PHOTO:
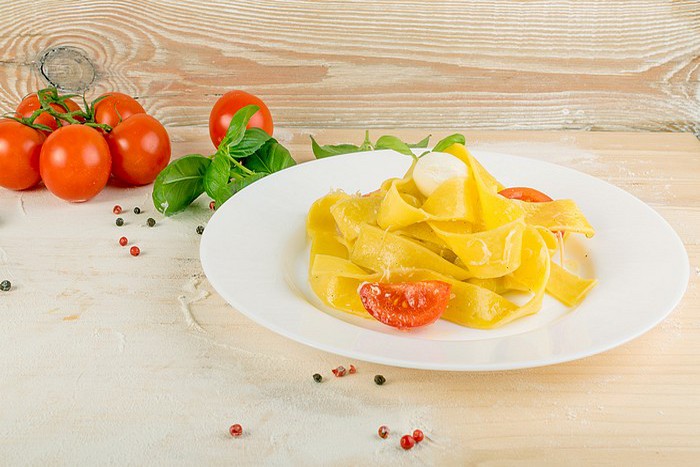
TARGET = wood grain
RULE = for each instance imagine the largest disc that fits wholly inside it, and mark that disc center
(100, 365)
(550, 64)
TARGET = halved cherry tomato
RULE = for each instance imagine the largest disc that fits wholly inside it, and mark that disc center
(525, 194)
(31, 103)
(115, 108)
(406, 304)
(75, 163)
(140, 149)
(20, 147)
(228, 105)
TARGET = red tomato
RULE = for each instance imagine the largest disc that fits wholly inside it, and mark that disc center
(525, 194)
(31, 103)
(140, 149)
(228, 105)
(75, 163)
(115, 108)
(20, 147)
(406, 304)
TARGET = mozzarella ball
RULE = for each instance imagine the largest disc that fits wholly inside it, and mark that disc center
(435, 168)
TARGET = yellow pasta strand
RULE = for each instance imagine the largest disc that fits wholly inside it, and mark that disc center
(464, 233)
(567, 287)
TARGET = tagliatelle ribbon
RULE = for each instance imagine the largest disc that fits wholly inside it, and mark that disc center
(465, 234)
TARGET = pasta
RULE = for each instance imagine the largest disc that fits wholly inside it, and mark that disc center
(464, 233)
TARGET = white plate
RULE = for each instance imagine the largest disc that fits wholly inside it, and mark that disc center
(255, 254)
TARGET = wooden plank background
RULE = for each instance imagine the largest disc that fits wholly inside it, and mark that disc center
(589, 64)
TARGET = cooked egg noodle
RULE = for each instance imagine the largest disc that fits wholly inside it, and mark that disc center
(484, 245)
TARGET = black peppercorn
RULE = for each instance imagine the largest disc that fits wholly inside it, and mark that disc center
(119, 221)
(318, 378)
(200, 229)
(151, 222)
(137, 210)
(6, 285)
(379, 380)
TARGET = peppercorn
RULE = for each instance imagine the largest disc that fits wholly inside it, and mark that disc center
(352, 370)
(200, 229)
(151, 222)
(379, 380)
(339, 372)
(5, 285)
(135, 251)
(137, 210)
(383, 432)
(123, 241)
(418, 436)
(119, 222)
(117, 209)
(212, 205)
(236, 430)
(407, 442)
(318, 378)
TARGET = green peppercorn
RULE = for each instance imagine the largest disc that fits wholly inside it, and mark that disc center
(200, 229)
(379, 380)
(151, 222)
(137, 210)
(119, 221)
(6, 286)
(318, 378)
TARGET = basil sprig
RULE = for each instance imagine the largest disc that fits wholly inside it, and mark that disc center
(449, 141)
(384, 142)
(244, 156)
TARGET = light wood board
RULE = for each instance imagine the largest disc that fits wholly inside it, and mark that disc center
(109, 359)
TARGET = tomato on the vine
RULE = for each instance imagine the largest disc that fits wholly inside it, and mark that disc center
(75, 163)
(140, 149)
(31, 103)
(228, 105)
(115, 107)
(406, 304)
(20, 147)
(525, 194)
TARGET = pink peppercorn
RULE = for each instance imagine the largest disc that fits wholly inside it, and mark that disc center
(407, 442)
(418, 436)
(236, 430)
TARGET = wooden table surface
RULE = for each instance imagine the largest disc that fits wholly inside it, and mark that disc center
(110, 359)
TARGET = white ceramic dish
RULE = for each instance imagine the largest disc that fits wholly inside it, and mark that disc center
(255, 254)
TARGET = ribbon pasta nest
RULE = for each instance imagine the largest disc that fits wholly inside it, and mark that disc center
(465, 234)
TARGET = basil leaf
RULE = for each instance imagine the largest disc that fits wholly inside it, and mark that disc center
(235, 186)
(272, 157)
(253, 140)
(449, 141)
(236, 129)
(331, 150)
(238, 185)
(179, 184)
(237, 173)
(422, 143)
(392, 142)
(217, 175)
